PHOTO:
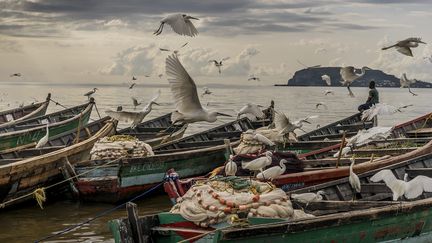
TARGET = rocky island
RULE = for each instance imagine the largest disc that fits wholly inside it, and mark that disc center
(312, 77)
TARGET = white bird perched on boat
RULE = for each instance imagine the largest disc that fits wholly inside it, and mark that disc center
(252, 111)
(206, 91)
(410, 189)
(353, 179)
(284, 126)
(131, 116)
(184, 90)
(406, 83)
(90, 93)
(308, 197)
(219, 64)
(348, 75)
(174, 51)
(180, 23)
(381, 109)
(44, 139)
(328, 91)
(404, 46)
(321, 104)
(263, 139)
(260, 163)
(327, 79)
(273, 172)
(135, 102)
(230, 167)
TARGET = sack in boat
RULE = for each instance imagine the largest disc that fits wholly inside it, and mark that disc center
(120, 146)
(248, 144)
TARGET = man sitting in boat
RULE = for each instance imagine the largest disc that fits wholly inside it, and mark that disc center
(372, 99)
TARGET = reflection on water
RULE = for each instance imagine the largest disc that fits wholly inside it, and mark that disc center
(30, 223)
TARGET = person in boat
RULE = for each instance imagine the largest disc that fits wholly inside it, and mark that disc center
(269, 112)
(372, 99)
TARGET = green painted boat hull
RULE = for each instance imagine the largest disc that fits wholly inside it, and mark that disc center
(391, 225)
(26, 137)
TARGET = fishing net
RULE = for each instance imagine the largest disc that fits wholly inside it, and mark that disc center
(218, 199)
(120, 146)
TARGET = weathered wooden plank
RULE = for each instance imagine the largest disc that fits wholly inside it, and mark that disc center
(132, 212)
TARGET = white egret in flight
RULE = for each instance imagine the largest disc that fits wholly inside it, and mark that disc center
(404, 46)
(180, 23)
(252, 111)
(134, 117)
(348, 75)
(327, 79)
(184, 90)
(174, 51)
(406, 83)
(219, 64)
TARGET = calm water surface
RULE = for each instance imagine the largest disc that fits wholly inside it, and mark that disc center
(29, 223)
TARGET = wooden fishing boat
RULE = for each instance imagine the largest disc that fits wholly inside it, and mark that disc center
(193, 155)
(340, 190)
(54, 143)
(26, 133)
(334, 221)
(331, 134)
(307, 178)
(156, 131)
(9, 117)
(23, 177)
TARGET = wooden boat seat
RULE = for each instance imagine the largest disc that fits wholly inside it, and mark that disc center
(200, 144)
(421, 132)
(236, 134)
(355, 126)
(419, 171)
(331, 136)
(375, 188)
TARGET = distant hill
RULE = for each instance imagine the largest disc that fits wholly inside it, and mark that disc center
(312, 77)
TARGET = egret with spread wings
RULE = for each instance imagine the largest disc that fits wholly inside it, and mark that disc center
(251, 111)
(406, 83)
(219, 64)
(134, 117)
(348, 75)
(180, 23)
(184, 90)
(404, 46)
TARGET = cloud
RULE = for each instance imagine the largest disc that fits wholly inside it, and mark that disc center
(136, 60)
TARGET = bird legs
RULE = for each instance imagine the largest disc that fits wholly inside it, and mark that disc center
(159, 30)
(351, 94)
(409, 90)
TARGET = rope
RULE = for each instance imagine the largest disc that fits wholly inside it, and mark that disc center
(40, 196)
(57, 103)
(424, 124)
(37, 193)
(97, 110)
(98, 215)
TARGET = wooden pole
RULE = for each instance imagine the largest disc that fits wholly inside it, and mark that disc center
(340, 149)
(132, 212)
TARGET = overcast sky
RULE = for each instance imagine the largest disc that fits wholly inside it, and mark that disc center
(111, 40)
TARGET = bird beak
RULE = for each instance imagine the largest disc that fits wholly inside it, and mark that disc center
(307, 122)
(422, 42)
(156, 103)
(190, 17)
(222, 114)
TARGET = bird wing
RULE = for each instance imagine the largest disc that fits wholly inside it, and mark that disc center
(327, 79)
(124, 116)
(307, 118)
(182, 86)
(263, 139)
(404, 50)
(157, 95)
(215, 62)
(184, 45)
(346, 71)
(226, 58)
(182, 26)
(383, 175)
(191, 28)
(255, 110)
(281, 121)
(416, 186)
(411, 39)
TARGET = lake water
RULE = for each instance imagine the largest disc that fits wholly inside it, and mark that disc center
(27, 224)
